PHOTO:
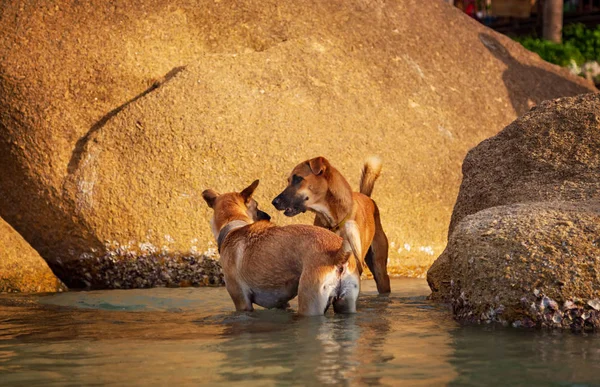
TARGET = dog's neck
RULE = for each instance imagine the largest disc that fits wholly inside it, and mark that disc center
(227, 229)
(338, 203)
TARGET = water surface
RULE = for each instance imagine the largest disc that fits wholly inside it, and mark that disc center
(191, 336)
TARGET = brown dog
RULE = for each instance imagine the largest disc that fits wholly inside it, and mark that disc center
(315, 185)
(268, 265)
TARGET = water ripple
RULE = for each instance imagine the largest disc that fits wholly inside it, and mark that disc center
(192, 336)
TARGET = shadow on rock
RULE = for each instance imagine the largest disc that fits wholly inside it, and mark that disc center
(78, 152)
(529, 85)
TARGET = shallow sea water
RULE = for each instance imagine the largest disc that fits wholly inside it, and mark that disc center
(192, 336)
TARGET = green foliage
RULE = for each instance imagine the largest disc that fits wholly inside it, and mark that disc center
(586, 40)
(560, 54)
(580, 44)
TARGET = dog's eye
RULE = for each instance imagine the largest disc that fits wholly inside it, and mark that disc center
(296, 179)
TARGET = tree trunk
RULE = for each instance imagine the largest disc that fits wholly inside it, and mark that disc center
(553, 20)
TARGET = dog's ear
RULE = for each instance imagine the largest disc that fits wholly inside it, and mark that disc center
(249, 190)
(318, 165)
(209, 197)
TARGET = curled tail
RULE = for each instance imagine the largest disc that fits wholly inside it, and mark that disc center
(370, 173)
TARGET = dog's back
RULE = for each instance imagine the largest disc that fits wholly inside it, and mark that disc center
(270, 260)
(274, 255)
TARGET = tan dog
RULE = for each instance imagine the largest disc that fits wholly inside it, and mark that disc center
(268, 265)
(315, 185)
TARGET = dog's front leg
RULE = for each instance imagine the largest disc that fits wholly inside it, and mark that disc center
(351, 233)
(240, 298)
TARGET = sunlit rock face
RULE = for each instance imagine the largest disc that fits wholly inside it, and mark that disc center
(116, 117)
(21, 267)
(524, 243)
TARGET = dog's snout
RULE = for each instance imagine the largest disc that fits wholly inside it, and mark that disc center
(277, 202)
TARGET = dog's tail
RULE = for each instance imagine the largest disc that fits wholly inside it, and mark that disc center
(370, 172)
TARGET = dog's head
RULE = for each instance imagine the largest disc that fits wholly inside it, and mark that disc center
(307, 186)
(233, 206)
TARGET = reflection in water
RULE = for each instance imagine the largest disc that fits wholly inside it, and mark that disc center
(509, 356)
(191, 336)
(391, 340)
(321, 350)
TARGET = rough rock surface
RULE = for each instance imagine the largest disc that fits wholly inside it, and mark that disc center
(551, 153)
(21, 267)
(526, 264)
(114, 118)
(123, 267)
(525, 237)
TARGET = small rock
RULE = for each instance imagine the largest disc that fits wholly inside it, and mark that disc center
(585, 315)
(595, 303)
(548, 303)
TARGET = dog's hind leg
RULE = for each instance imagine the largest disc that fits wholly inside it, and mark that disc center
(314, 293)
(344, 305)
(350, 288)
(377, 257)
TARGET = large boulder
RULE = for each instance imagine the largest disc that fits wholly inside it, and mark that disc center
(115, 118)
(525, 232)
(550, 154)
(21, 267)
